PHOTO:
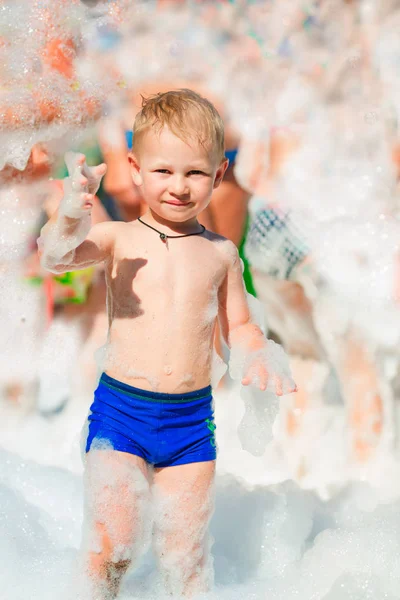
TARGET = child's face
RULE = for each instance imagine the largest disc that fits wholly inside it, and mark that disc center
(176, 179)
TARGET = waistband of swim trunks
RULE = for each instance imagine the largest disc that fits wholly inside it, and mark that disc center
(112, 383)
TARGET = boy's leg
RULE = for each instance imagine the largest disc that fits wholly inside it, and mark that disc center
(184, 499)
(116, 528)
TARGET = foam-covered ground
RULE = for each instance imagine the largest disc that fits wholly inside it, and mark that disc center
(272, 539)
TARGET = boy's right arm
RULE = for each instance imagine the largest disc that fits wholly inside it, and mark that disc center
(67, 241)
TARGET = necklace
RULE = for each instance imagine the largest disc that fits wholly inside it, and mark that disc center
(164, 237)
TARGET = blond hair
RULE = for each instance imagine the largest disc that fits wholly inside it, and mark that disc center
(187, 114)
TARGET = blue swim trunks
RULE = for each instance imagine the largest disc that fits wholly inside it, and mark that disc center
(164, 429)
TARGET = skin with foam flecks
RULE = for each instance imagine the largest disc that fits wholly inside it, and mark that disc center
(164, 299)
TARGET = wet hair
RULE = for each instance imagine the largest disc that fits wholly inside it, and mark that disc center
(187, 114)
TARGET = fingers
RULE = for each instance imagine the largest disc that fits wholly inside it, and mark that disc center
(94, 176)
(289, 386)
(100, 170)
(278, 385)
(77, 162)
(79, 183)
(94, 172)
(74, 160)
(263, 378)
(88, 200)
(284, 385)
(258, 376)
(82, 178)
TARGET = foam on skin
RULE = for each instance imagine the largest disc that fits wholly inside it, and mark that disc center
(58, 240)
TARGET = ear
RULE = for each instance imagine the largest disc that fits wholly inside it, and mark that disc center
(219, 175)
(135, 169)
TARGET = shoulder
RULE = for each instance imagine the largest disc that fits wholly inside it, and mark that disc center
(106, 232)
(124, 233)
(117, 227)
(227, 249)
(107, 228)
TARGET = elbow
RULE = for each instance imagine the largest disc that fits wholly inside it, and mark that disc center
(51, 265)
(53, 262)
(56, 269)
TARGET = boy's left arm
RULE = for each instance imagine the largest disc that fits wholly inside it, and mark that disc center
(256, 360)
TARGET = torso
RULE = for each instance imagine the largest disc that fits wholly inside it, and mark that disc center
(162, 308)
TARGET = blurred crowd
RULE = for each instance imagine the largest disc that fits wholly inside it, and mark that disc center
(309, 95)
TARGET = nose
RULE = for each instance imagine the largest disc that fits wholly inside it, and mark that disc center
(178, 186)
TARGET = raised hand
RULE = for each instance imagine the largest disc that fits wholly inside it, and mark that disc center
(80, 187)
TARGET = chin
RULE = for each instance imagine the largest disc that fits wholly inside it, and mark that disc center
(175, 217)
(177, 214)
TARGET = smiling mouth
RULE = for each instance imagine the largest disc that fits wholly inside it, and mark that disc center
(176, 203)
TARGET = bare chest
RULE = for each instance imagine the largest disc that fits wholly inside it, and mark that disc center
(184, 271)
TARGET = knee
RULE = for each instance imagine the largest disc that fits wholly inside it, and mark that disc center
(183, 559)
(107, 552)
(103, 566)
(106, 573)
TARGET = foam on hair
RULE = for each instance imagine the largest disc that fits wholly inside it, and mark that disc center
(187, 114)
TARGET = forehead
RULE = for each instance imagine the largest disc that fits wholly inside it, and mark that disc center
(165, 144)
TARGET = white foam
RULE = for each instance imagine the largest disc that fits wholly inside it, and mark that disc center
(272, 539)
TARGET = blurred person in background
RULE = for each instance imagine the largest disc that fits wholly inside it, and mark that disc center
(281, 269)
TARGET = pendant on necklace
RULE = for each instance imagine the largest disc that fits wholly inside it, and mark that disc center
(163, 237)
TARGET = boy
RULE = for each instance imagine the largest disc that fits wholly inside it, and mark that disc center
(168, 280)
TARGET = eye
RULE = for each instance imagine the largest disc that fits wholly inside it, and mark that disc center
(196, 172)
(164, 171)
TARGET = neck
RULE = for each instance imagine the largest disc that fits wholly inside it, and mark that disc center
(171, 227)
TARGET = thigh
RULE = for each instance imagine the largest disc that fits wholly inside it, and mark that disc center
(183, 502)
(116, 501)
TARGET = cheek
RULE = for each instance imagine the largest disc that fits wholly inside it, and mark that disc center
(203, 188)
(153, 186)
